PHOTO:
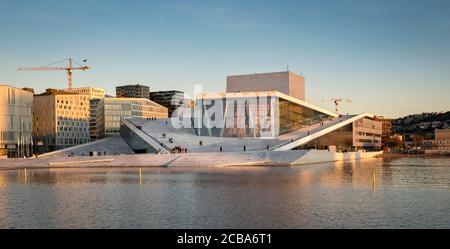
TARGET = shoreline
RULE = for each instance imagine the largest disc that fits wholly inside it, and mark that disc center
(393, 155)
(230, 159)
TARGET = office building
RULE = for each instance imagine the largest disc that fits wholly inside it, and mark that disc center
(170, 99)
(287, 82)
(133, 91)
(60, 120)
(15, 122)
(111, 110)
(95, 95)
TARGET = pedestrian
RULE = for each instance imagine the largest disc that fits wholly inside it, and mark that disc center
(245, 148)
(221, 149)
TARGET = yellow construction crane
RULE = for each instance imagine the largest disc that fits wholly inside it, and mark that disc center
(69, 69)
(337, 102)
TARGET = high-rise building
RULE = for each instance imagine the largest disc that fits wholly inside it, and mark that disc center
(133, 91)
(15, 122)
(60, 120)
(111, 110)
(287, 82)
(170, 99)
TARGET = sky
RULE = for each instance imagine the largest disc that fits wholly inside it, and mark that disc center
(391, 58)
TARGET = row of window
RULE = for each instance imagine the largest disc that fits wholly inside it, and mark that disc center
(73, 123)
(72, 134)
(75, 107)
(10, 136)
(73, 129)
(72, 141)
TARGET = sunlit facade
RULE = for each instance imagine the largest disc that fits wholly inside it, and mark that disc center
(111, 110)
(95, 95)
(15, 122)
(60, 120)
(91, 92)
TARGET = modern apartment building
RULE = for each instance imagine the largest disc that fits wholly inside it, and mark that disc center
(170, 99)
(111, 110)
(60, 120)
(133, 91)
(15, 122)
(287, 82)
(441, 143)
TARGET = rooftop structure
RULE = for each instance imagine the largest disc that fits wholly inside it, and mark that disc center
(287, 82)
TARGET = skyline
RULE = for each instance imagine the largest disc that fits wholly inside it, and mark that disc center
(387, 57)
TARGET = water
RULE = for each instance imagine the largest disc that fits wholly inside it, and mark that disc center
(407, 193)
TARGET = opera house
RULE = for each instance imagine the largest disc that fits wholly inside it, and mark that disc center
(258, 113)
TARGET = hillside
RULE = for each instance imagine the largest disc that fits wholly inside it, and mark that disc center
(423, 124)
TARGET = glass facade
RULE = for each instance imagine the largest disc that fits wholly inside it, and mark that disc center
(170, 99)
(293, 116)
(133, 91)
(252, 116)
(341, 138)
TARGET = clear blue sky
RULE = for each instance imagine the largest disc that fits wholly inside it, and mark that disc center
(390, 57)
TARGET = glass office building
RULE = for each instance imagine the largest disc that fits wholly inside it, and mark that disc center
(15, 122)
(170, 99)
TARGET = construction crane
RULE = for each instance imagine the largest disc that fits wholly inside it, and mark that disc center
(69, 69)
(337, 102)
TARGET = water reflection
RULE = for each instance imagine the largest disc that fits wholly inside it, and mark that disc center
(407, 193)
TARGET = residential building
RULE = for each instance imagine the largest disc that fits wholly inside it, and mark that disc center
(170, 99)
(441, 144)
(133, 91)
(15, 122)
(111, 110)
(388, 139)
(60, 120)
(386, 126)
(287, 82)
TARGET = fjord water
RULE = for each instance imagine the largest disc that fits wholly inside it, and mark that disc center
(376, 193)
